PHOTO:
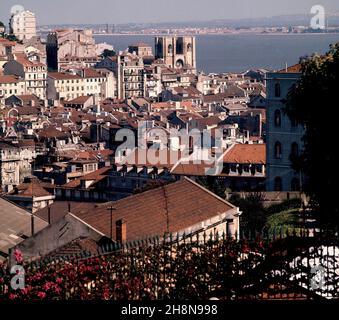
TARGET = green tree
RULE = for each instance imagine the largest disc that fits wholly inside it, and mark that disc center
(108, 53)
(283, 221)
(254, 215)
(314, 104)
(212, 184)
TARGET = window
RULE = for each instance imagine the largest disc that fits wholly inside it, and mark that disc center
(294, 122)
(278, 150)
(277, 90)
(294, 150)
(170, 49)
(277, 118)
(278, 184)
(295, 185)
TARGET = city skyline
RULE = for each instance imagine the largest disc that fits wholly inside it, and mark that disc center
(152, 11)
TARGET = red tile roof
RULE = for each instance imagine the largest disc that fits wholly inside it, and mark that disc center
(190, 169)
(91, 73)
(9, 79)
(292, 69)
(21, 58)
(59, 209)
(33, 188)
(166, 158)
(78, 100)
(7, 43)
(96, 176)
(246, 154)
(63, 76)
(171, 208)
(94, 154)
(27, 97)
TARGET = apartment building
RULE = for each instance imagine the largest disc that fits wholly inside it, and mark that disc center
(34, 74)
(15, 162)
(23, 25)
(11, 85)
(84, 82)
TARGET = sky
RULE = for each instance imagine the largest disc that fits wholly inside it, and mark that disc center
(131, 11)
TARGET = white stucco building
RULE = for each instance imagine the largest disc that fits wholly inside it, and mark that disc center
(82, 82)
(23, 25)
(34, 74)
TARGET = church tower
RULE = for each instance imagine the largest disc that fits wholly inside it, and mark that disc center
(177, 52)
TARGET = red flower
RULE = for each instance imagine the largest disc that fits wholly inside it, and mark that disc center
(41, 295)
(12, 296)
(18, 256)
(25, 291)
(57, 290)
(47, 286)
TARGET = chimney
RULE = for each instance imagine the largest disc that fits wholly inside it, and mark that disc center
(32, 224)
(49, 215)
(121, 232)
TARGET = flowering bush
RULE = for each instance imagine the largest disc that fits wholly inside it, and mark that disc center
(191, 270)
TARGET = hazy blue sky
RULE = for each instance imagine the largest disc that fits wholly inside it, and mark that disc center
(113, 11)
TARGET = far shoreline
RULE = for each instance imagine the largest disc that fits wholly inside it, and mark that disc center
(215, 34)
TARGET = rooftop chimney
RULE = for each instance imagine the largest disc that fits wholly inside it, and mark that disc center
(49, 214)
(32, 224)
(121, 232)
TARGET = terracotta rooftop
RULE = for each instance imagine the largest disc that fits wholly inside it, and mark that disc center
(171, 208)
(191, 169)
(95, 176)
(33, 188)
(21, 58)
(91, 73)
(63, 76)
(60, 208)
(246, 154)
(9, 79)
(79, 100)
(27, 97)
(94, 154)
(292, 69)
(7, 43)
(51, 132)
(139, 157)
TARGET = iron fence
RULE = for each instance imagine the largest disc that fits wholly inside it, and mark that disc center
(285, 264)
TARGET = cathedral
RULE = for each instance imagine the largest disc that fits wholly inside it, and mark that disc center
(177, 52)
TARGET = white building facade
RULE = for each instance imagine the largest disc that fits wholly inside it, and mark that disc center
(33, 73)
(23, 25)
